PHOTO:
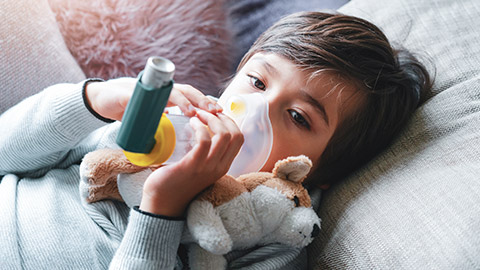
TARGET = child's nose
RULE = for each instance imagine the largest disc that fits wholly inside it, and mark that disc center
(276, 98)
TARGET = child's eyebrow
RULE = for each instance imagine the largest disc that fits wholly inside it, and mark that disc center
(269, 67)
(317, 105)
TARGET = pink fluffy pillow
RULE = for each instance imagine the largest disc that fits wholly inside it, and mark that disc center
(114, 38)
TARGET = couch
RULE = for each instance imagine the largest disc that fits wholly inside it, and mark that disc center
(415, 206)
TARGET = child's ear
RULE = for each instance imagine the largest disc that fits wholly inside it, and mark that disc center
(294, 169)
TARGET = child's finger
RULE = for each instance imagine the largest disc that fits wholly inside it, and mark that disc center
(226, 141)
(203, 141)
(229, 123)
(220, 134)
(236, 140)
(198, 99)
(177, 98)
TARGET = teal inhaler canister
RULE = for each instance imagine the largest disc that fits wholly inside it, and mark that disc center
(145, 108)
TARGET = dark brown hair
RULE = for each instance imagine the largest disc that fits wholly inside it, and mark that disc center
(392, 81)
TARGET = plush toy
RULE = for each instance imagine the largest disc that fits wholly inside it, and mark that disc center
(253, 209)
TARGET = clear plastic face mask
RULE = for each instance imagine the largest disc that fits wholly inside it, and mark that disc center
(250, 113)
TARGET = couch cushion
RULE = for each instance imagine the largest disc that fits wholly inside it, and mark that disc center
(417, 205)
(33, 54)
(112, 39)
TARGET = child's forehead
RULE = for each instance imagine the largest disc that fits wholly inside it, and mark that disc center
(276, 67)
(278, 64)
(271, 60)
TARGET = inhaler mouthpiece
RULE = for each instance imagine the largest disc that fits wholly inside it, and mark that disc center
(250, 113)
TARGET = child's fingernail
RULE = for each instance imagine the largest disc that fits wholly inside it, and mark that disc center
(201, 112)
(191, 109)
(211, 107)
(219, 108)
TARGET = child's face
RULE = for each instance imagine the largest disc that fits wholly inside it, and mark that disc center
(304, 114)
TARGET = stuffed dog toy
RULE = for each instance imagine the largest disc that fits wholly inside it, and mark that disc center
(234, 213)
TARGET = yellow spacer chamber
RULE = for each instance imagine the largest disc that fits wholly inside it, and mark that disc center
(163, 149)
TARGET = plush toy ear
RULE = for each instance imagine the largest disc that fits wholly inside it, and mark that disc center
(294, 169)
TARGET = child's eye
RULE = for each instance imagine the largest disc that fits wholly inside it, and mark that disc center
(257, 82)
(299, 119)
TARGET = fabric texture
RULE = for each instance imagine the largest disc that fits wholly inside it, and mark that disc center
(417, 205)
(33, 54)
(46, 222)
(113, 39)
(250, 18)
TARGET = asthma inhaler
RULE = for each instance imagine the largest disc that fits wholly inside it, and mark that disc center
(250, 112)
(145, 136)
(148, 136)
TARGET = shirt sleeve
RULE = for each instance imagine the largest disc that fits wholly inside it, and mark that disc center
(150, 242)
(38, 132)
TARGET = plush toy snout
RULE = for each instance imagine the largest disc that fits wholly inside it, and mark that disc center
(297, 229)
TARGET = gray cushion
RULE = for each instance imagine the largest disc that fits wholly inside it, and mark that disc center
(33, 54)
(417, 205)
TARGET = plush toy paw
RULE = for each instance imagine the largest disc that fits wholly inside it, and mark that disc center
(207, 229)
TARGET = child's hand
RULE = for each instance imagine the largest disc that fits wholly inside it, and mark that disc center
(187, 97)
(169, 189)
(110, 98)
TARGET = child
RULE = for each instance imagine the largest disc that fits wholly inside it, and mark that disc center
(337, 92)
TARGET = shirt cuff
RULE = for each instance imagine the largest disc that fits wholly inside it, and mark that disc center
(136, 208)
(149, 243)
(87, 105)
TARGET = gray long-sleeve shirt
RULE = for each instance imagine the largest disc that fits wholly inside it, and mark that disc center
(45, 222)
